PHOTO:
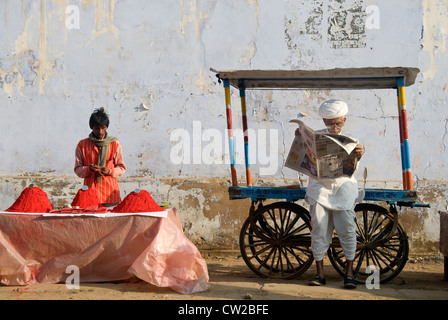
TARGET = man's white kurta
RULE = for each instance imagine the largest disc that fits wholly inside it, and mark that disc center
(332, 204)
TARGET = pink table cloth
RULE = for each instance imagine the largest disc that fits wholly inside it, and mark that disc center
(35, 248)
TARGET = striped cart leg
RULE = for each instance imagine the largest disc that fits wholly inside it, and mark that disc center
(246, 135)
(230, 132)
(404, 139)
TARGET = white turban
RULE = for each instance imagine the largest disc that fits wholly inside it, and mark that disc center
(333, 109)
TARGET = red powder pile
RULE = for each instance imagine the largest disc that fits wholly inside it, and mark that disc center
(86, 198)
(32, 199)
(137, 202)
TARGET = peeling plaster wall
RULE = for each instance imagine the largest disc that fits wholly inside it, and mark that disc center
(147, 63)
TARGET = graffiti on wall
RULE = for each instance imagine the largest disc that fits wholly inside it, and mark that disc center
(342, 23)
(346, 25)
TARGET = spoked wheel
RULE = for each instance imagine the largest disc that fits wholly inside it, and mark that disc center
(382, 245)
(276, 242)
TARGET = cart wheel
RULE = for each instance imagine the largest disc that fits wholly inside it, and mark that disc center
(277, 244)
(380, 243)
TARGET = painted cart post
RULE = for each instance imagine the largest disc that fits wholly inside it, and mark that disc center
(275, 239)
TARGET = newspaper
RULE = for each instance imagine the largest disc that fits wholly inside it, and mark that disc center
(321, 155)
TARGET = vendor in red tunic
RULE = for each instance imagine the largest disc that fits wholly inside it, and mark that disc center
(99, 160)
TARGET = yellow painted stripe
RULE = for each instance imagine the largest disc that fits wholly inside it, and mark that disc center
(227, 93)
(401, 98)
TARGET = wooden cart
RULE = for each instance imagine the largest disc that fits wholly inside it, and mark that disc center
(275, 239)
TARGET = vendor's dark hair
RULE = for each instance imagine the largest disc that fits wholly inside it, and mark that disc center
(99, 117)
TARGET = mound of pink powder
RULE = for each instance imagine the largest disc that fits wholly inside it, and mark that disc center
(137, 202)
(32, 199)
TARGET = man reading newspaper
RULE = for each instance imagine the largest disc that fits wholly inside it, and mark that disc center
(331, 195)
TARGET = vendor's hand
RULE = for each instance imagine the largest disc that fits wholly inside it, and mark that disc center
(93, 168)
(105, 171)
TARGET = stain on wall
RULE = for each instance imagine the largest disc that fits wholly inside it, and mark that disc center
(18, 70)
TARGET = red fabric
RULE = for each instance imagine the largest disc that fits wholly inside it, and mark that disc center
(37, 249)
(88, 209)
(32, 199)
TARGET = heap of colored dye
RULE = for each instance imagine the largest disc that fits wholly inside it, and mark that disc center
(137, 201)
(86, 197)
(32, 199)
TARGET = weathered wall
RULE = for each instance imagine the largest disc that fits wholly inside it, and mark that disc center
(147, 63)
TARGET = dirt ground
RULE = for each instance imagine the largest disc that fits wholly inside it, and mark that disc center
(231, 279)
